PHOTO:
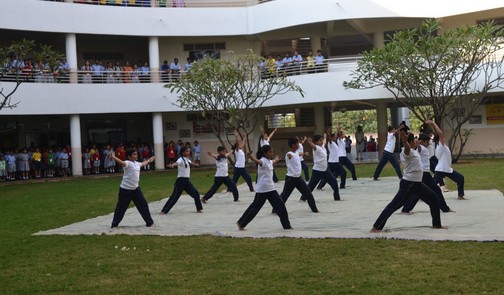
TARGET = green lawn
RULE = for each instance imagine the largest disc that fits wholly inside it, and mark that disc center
(216, 265)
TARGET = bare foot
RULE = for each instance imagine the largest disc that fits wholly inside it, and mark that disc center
(162, 213)
(203, 200)
(240, 227)
(407, 212)
(440, 227)
(461, 198)
(290, 227)
(450, 211)
(375, 230)
(199, 211)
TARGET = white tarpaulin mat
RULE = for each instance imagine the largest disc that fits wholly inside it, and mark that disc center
(479, 218)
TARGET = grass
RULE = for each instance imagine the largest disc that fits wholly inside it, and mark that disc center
(216, 265)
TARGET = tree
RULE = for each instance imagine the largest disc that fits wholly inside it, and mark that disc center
(229, 92)
(13, 69)
(441, 76)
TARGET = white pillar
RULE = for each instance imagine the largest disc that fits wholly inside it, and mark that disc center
(71, 55)
(315, 44)
(157, 129)
(381, 118)
(404, 115)
(75, 144)
(154, 58)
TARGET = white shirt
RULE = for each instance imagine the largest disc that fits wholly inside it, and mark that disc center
(425, 159)
(184, 167)
(319, 158)
(300, 151)
(334, 153)
(444, 159)
(222, 167)
(264, 142)
(131, 175)
(265, 176)
(293, 164)
(390, 145)
(240, 158)
(412, 166)
(341, 148)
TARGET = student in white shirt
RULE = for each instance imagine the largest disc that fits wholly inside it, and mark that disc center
(388, 153)
(221, 175)
(129, 190)
(320, 170)
(183, 183)
(410, 184)
(443, 167)
(239, 167)
(265, 190)
(293, 179)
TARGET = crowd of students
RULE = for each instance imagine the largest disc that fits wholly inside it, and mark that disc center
(34, 162)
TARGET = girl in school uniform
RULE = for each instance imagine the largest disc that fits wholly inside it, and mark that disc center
(221, 175)
(183, 183)
(265, 190)
(129, 190)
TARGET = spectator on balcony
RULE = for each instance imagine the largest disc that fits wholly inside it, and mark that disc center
(97, 69)
(175, 70)
(320, 62)
(287, 63)
(28, 70)
(118, 73)
(279, 65)
(86, 73)
(165, 72)
(63, 70)
(188, 65)
(127, 72)
(135, 74)
(270, 65)
(297, 59)
(310, 62)
(109, 73)
(145, 72)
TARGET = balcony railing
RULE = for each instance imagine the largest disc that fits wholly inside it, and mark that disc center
(113, 77)
(169, 3)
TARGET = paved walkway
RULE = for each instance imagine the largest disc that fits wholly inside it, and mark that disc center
(479, 218)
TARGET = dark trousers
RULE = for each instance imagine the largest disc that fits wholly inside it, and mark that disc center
(317, 176)
(433, 163)
(429, 181)
(218, 181)
(298, 183)
(406, 190)
(456, 177)
(124, 198)
(304, 167)
(345, 161)
(182, 184)
(259, 200)
(243, 173)
(387, 157)
(337, 170)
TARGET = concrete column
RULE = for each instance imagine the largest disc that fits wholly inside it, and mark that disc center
(404, 115)
(71, 56)
(315, 44)
(75, 144)
(154, 59)
(378, 39)
(381, 118)
(157, 129)
(319, 126)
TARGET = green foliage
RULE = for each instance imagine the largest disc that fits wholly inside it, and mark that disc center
(228, 92)
(442, 76)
